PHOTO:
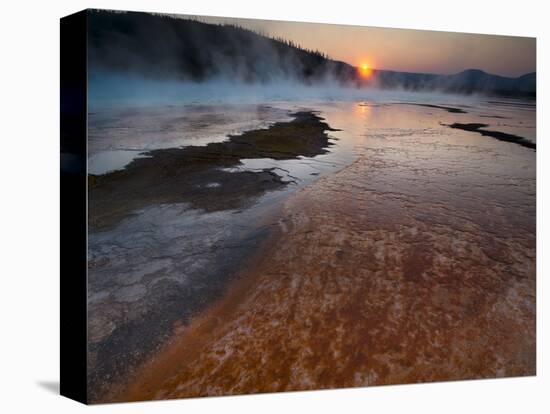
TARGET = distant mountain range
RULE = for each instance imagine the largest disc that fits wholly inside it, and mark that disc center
(468, 81)
(166, 47)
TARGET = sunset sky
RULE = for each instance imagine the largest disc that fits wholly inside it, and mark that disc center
(405, 50)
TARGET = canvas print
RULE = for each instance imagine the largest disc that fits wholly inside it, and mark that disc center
(284, 206)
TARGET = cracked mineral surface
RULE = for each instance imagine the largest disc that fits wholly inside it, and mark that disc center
(406, 253)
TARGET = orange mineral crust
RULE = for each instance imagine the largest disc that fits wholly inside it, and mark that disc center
(364, 287)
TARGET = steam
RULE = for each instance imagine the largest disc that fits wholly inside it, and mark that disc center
(116, 90)
(148, 57)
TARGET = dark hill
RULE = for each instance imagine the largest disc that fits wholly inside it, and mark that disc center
(160, 47)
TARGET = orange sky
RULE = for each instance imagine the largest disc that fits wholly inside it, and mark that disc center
(405, 50)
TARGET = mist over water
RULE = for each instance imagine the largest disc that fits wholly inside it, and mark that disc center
(130, 114)
(111, 89)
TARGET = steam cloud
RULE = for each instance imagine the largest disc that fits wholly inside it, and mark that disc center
(139, 54)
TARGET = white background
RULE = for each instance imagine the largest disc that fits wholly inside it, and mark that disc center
(29, 207)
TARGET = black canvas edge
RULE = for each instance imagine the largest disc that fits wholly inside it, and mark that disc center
(73, 206)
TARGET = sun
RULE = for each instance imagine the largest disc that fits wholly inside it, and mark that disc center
(365, 70)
